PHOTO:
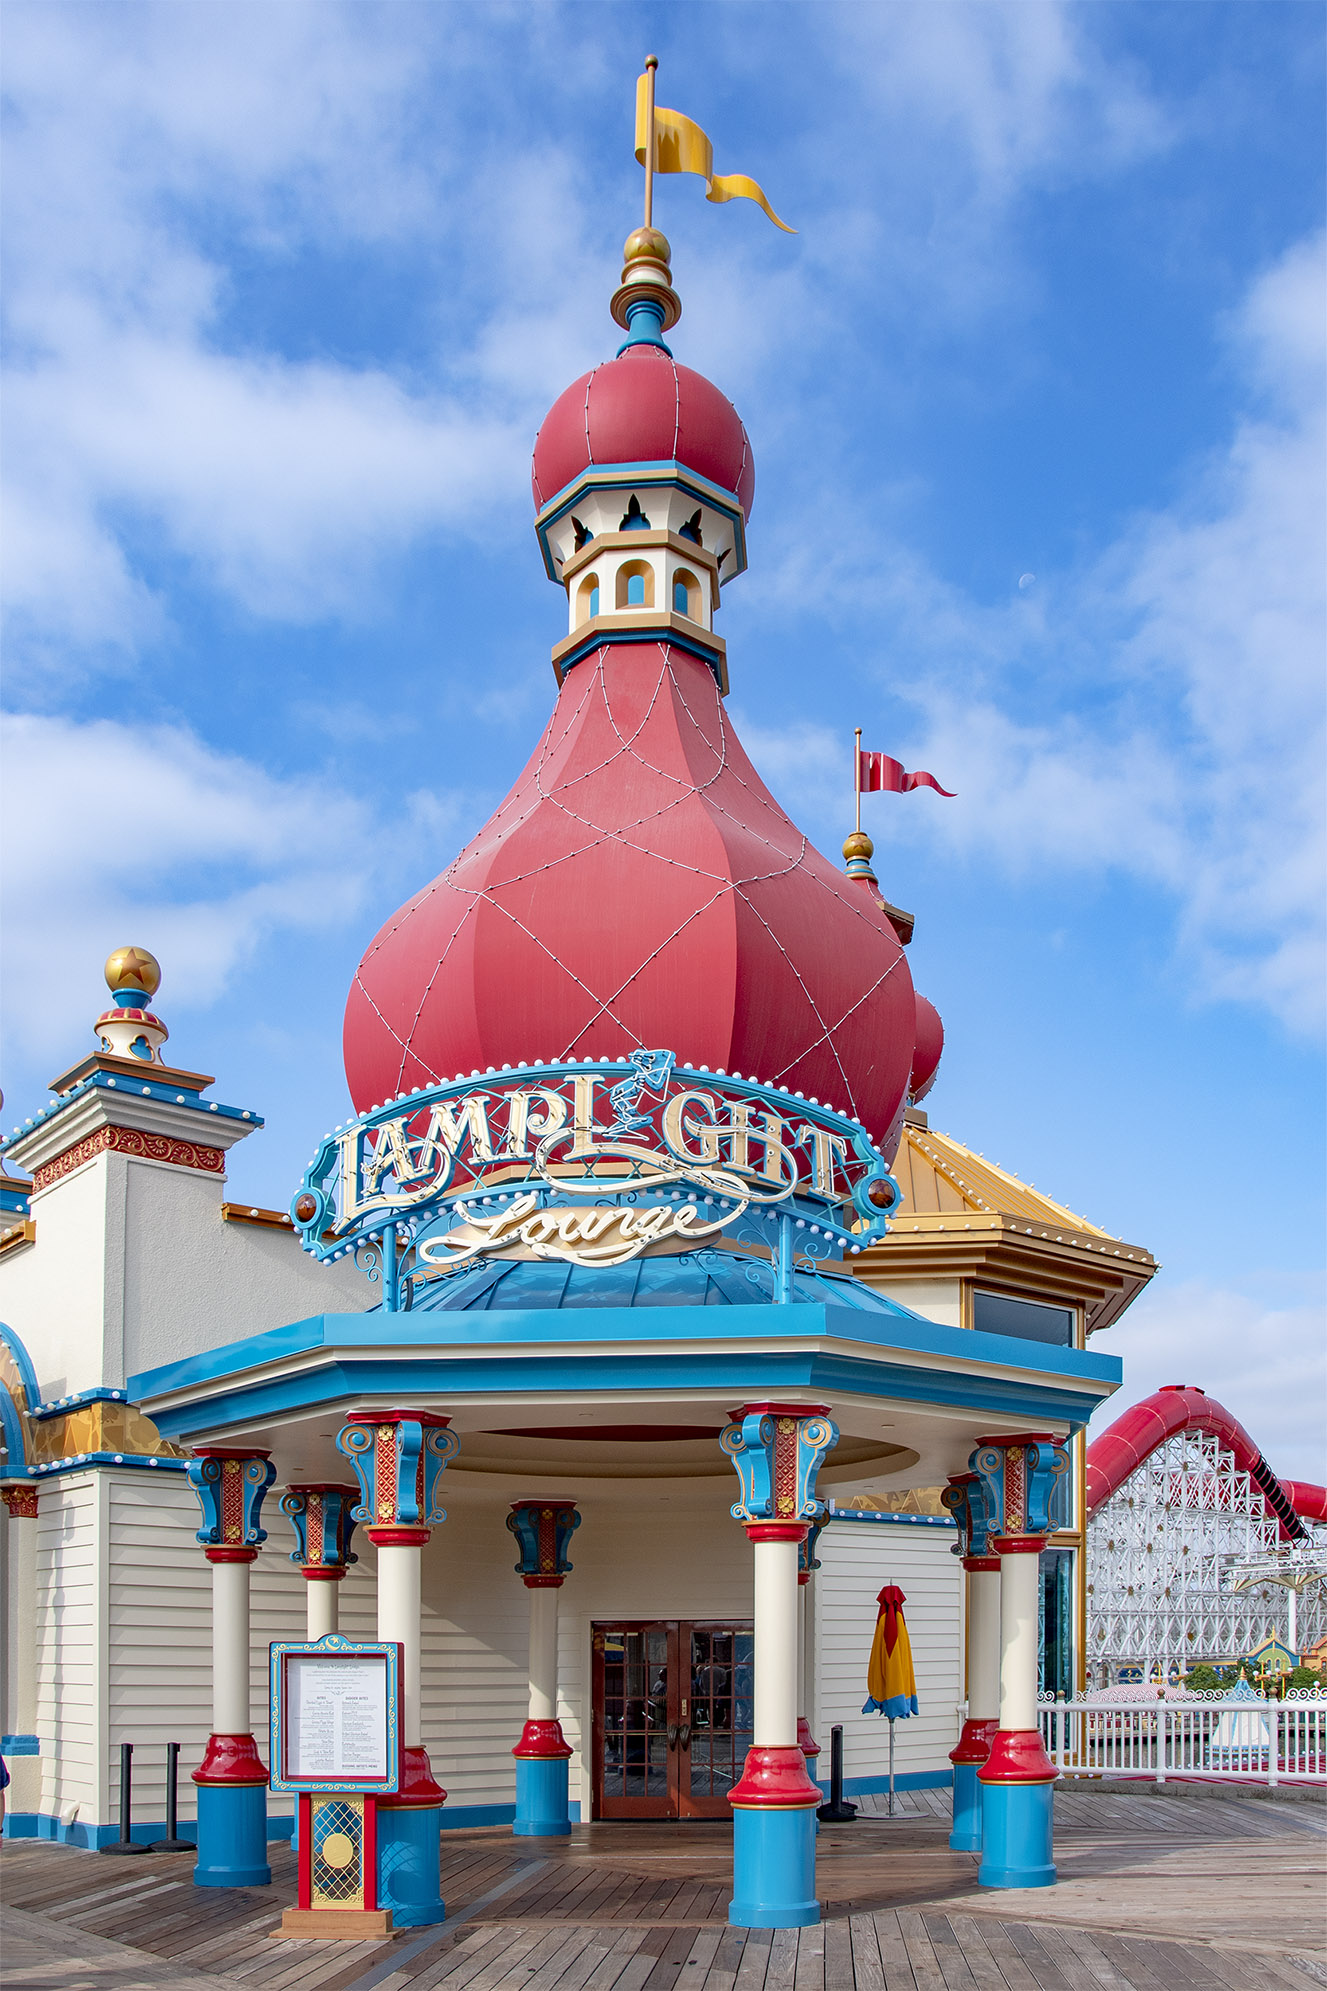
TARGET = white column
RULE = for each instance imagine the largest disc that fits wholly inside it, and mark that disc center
(230, 1649)
(774, 1719)
(20, 1697)
(1018, 1641)
(321, 1605)
(984, 1642)
(543, 1654)
(399, 1619)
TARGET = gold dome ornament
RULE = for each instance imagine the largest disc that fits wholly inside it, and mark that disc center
(133, 968)
(129, 1029)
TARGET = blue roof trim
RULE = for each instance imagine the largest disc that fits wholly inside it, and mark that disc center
(610, 639)
(339, 1381)
(152, 1088)
(220, 1395)
(84, 1460)
(366, 1333)
(60, 1405)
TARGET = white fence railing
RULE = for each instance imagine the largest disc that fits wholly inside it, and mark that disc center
(1203, 1737)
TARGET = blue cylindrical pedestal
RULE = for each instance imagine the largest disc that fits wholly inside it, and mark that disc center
(965, 1835)
(774, 1868)
(408, 1863)
(232, 1836)
(1017, 1835)
(542, 1811)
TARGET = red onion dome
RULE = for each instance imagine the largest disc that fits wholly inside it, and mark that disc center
(640, 887)
(642, 407)
(927, 1052)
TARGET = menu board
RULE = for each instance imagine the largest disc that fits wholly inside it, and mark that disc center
(336, 1716)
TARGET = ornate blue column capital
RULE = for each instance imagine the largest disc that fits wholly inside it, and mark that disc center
(964, 1499)
(399, 1456)
(543, 1531)
(323, 1520)
(1024, 1483)
(231, 1485)
(777, 1450)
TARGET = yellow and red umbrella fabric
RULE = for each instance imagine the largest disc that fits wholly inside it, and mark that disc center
(891, 1682)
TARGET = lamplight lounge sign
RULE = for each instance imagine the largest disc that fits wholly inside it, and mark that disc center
(592, 1163)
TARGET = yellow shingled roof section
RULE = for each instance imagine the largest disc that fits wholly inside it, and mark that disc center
(938, 1174)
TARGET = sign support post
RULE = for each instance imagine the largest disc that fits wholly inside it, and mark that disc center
(336, 1743)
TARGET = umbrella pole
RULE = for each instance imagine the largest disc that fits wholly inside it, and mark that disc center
(891, 1766)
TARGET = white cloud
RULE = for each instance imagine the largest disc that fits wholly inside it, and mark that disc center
(1262, 1355)
(160, 841)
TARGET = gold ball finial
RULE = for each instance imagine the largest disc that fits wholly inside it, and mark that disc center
(647, 242)
(858, 844)
(133, 968)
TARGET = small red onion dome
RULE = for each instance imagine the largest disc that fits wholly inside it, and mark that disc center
(642, 407)
(929, 1046)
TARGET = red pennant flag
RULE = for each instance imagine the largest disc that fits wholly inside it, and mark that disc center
(879, 771)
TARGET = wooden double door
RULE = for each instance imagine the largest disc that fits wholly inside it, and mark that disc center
(671, 1716)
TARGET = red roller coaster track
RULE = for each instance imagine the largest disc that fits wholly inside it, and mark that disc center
(1120, 1450)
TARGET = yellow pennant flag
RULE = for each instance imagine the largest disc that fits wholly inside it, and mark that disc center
(680, 146)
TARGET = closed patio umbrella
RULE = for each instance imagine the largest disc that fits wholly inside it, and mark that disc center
(890, 1680)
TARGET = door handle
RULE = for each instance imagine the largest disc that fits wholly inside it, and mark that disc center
(672, 1735)
(684, 1735)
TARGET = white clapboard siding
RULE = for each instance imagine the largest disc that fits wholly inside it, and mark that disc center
(70, 1644)
(857, 1559)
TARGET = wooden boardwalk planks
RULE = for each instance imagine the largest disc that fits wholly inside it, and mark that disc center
(1156, 1894)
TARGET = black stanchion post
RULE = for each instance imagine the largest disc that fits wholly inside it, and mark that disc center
(172, 1843)
(125, 1842)
(838, 1811)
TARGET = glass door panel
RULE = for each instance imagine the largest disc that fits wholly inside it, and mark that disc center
(715, 1731)
(671, 1718)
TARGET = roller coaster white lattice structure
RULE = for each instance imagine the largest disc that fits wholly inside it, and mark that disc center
(1158, 1555)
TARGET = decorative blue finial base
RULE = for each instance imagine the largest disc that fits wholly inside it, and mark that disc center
(542, 1807)
(1017, 1835)
(965, 1835)
(408, 1863)
(232, 1836)
(774, 1868)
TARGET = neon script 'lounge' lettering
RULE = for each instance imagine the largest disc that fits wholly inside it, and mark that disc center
(603, 1235)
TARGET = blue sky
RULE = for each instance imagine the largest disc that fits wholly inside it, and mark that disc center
(1035, 394)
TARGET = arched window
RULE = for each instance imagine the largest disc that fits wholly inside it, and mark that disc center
(587, 598)
(686, 595)
(635, 584)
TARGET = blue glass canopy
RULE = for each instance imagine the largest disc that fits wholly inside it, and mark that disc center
(708, 1278)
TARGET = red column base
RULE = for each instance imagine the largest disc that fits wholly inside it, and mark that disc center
(418, 1783)
(974, 1744)
(541, 1740)
(1018, 1756)
(806, 1742)
(231, 1759)
(776, 1778)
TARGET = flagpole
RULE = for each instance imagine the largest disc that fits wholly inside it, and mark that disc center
(651, 64)
(857, 775)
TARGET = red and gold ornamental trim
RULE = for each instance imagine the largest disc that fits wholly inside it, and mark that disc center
(129, 1141)
(21, 1502)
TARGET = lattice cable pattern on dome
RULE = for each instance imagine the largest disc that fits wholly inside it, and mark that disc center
(544, 785)
(1157, 1555)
